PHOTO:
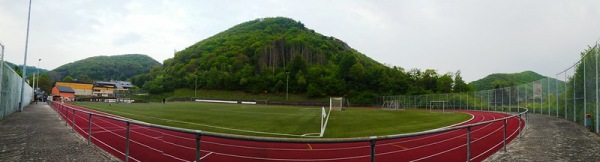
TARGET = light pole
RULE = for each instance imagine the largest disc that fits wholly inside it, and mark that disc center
(33, 83)
(1, 69)
(195, 87)
(39, 75)
(25, 59)
(287, 81)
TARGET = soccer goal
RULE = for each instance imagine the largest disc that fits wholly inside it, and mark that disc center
(436, 106)
(392, 105)
(336, 103)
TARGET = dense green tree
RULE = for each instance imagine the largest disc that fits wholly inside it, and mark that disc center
(18, 70)
(505, 80)
(119, 67)
(444, 83)
(459, 83)
(68, 79)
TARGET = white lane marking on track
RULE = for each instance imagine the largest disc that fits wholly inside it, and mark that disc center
(206, 155)
(463, 145)
(438, 142)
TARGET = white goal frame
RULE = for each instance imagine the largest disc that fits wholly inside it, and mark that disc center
(336, 106)
(392, 105)
(436, 104)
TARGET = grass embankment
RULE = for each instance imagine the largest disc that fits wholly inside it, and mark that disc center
(280, 121)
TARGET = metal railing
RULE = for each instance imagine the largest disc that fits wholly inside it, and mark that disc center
(64, 110)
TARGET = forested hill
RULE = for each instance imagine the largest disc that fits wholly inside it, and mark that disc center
(257, 55)
(30, 69)
(118, 67)
(504, 80)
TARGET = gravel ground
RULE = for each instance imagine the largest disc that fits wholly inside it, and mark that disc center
(37, 134)
(552, 139)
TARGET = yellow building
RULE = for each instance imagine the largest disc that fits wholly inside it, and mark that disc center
(104, 90)
(80, 88)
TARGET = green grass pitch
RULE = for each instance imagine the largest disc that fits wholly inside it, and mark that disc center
(280, 121)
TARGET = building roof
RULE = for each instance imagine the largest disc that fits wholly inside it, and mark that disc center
(104, 84)
(65, 89)
(75, 85)
(116, 84)
(124, 84)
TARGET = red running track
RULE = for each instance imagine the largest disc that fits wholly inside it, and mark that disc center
(154, 144)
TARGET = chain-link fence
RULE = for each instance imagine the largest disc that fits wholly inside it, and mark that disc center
(10, 90)
(573, 95)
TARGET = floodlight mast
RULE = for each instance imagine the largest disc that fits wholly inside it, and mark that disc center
(1, 68)
(597, 53)
(25, 59)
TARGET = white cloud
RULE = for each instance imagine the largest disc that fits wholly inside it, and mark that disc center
(476, 37)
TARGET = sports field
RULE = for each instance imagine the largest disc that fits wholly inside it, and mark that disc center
(280, 121)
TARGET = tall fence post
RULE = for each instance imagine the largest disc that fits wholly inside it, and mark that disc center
(557, 91)
(469, 144)
(89, 128)
(373, 141)
(127, 143)
(584, 90)
(566, 117)
(509, 99)
(597, 122)
(198, 135)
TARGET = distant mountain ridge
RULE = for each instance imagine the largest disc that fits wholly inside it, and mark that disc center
(30, 69)
(117, 67)
(505, 80)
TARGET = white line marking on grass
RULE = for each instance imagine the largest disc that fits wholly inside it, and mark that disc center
(311, 135)
(246, 112)
(218, 127)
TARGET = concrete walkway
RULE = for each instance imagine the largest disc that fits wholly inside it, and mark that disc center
(552, 139)
(37, 134)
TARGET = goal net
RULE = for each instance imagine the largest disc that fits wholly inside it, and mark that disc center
(438, 106)
(392, 105)
(336, 103)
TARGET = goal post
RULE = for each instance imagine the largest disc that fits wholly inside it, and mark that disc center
(392, 105)
(438, 106)
(336, 103)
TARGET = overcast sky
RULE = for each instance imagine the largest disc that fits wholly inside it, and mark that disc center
(477, 37)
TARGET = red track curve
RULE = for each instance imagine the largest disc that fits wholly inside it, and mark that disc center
(154, 144)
